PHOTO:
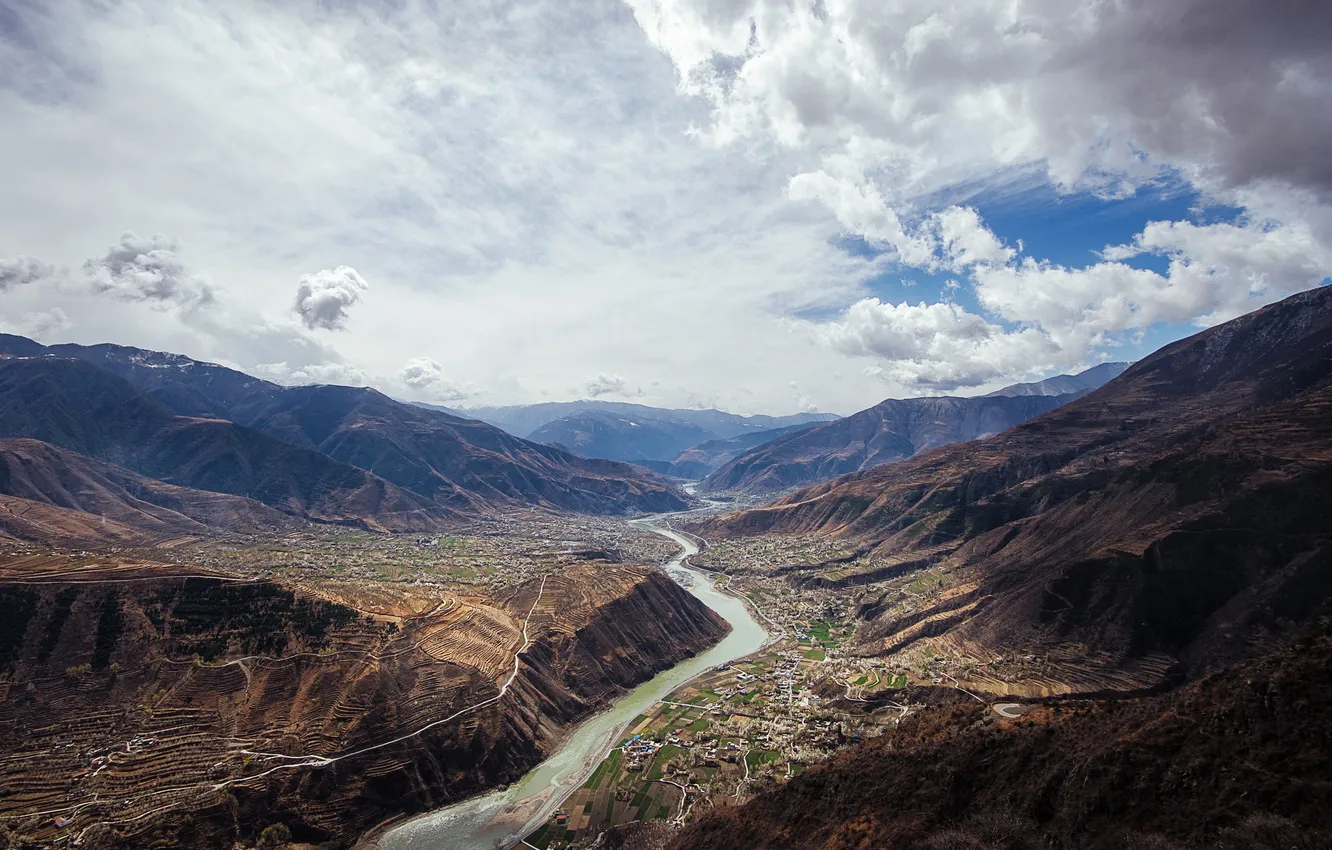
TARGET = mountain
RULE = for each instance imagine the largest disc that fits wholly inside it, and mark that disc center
(889, 432)
(1237, 761)
(623, 431)
(705, 458)
(455, 461)
(49, 493)
(603, 433)
(1153, 528)
(461, 464)
(89, 411)
(1065, 384)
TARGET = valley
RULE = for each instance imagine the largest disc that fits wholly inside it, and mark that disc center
(363, 622)
(666, 425)
(207, 693)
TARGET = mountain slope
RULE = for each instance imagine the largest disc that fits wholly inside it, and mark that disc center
(1235, 762)
(889, 432)
(87, 410)
(526, 420)
(1166, 520)
(43, 475)
(460, 463)
(600, 433)
(705, 458)
(1090, 379)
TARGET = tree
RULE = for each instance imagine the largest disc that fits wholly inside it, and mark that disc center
(274, 835)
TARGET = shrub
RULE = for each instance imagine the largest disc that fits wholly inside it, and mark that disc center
(274, 835)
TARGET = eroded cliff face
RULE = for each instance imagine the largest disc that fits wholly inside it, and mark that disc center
(197, 712)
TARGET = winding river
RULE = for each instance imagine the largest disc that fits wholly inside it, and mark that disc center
(500, 818)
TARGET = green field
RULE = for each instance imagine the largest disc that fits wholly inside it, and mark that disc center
(664, 755)
(608, 769)
(756, 758)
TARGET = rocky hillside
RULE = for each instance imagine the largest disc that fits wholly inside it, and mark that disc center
(454, 464)
(195, 712)
(1234, 762)
(889, 432)
(1157, 526)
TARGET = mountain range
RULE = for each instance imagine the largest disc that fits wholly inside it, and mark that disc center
(1166, 520)
(624, 431)
(895, 430)
(328, 453)
(1082, 382)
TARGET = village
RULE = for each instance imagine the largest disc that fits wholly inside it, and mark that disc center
(488, 556)
(726, 735)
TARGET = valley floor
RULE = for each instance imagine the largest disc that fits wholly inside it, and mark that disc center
(321, 679)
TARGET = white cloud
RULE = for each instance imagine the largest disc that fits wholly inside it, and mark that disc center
(1099, 93)
(18, 271)
(896, 107)
(340, 374)
(426, 377)
(1215, 272)
(936, 345)
(148, 269)
(965, 241)
(861, 210)
(421, 373)
(542, 193)
(323, 298)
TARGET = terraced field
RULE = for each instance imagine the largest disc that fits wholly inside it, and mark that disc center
(142, 699)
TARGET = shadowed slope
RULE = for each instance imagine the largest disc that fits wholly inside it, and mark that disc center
(87, 410)
(45, 475)
(460, 463)
(1234, 762)
(1172, 516)
(889, 432)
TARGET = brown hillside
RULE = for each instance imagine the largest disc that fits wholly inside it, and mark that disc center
(173, 709)
(1236, 761)
(1166, 519)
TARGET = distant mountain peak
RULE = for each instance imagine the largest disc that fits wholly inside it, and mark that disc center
(1088, 379)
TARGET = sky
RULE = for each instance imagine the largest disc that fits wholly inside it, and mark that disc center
(758, 205)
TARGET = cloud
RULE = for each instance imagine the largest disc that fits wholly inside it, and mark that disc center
(862, 210)
(148, 269)
(1102, 94)
(38, 324)
(965, 241)
(1215, 272)
(339, 374)
(18, 271)
(323, 298)
(427, 376)
(604, 384)
(936, 345)
(421, 373)
(580, 188)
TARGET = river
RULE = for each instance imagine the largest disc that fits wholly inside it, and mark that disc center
(501, 818)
